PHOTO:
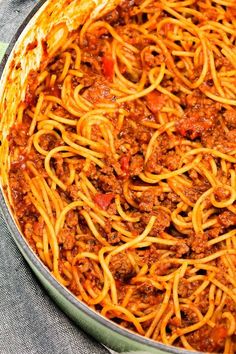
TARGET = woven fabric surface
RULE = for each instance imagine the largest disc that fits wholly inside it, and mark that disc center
(30, 323)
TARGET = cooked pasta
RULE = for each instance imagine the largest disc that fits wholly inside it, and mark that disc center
(122, 173)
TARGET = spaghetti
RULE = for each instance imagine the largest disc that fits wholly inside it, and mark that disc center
(122, 172)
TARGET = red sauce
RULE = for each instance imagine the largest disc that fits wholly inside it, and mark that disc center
(32, 45)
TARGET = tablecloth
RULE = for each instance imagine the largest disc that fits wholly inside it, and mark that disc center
(30, 323)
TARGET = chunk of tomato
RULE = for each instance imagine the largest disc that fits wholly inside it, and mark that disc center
(108, 67)
(155, 101)
(124, 163)
(103, 200)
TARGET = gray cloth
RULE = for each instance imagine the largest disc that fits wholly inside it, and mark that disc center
(12, 13)
(30, 323)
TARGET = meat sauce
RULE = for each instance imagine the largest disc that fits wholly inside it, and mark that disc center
(201, 121)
